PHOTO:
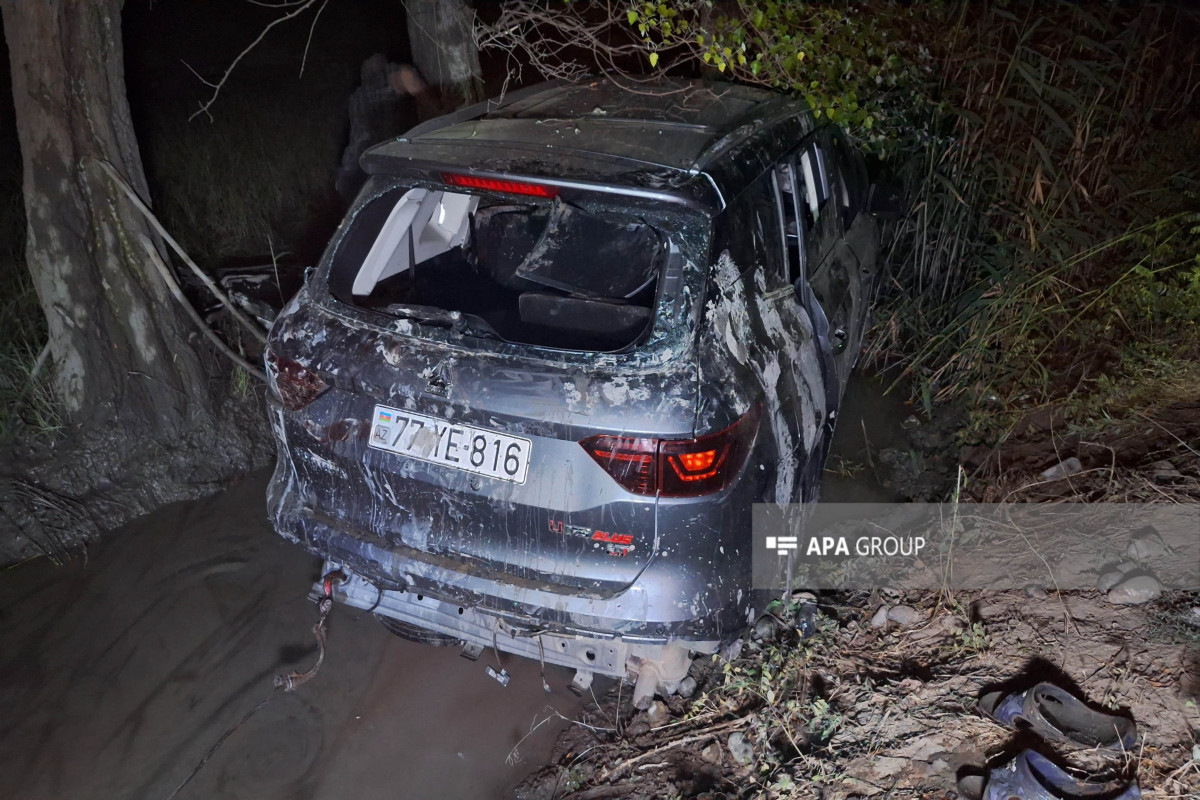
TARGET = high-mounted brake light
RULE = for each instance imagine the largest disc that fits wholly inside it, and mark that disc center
(295, 384)
(499, 185)
(676, 467)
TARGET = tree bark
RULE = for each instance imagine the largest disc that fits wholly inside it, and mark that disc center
(443, 48)
(122, 350)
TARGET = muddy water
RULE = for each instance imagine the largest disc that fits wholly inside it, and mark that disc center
(870, 424)
(116, 677)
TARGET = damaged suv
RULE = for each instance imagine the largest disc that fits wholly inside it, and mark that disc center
(559, 346)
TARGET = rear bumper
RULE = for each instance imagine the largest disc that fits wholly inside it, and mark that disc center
(615, 656)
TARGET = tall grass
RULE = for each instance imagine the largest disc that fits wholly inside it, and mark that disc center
(1052, 230)
(258, 175)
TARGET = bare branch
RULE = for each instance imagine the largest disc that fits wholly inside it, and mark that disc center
(311, 28)
(205, 106)
(177, 293)
(124, 186)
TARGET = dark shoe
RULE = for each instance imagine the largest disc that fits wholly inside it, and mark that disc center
(1032, 776)
(1056, 715)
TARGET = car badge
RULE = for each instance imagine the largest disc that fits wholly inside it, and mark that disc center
(438, 385)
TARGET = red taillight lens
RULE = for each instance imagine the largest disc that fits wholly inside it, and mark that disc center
(295, 384)
(499, 185)
(633, 463)
(676, 467)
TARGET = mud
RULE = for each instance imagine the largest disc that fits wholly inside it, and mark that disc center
(118, 673)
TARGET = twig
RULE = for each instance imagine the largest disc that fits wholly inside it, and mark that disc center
(154, 223)
(308, 42)
(205, 106)
(710, 733)
(177, 293)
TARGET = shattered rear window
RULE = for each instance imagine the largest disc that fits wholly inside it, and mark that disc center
(541, 272)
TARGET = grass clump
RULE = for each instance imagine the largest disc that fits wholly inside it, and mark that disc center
(1051, 254)
(258, 175)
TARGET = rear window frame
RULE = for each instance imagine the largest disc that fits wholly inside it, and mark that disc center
(685, 227)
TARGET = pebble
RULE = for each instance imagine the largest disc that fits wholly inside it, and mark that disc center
(740, 748)
(1147, 546)
(657, 713)
(1035, 592)
(1135, 591)
(880, 619)
(905, 616)
(1109, 579)
(712, 753)
(687, 687)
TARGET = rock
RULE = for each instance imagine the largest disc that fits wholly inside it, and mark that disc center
(731, 651)
(942, 627)
(1146, 546)
(1165, 473)
(1035, 592)
(638, 727)
(1109, 579)
(657, 713)
(905, 616)
(1062, 469)
(740, 748)
(687, 687)
(1135, 591)
(880, 620)
(766, 629)
(1126, 566)
(712, 753)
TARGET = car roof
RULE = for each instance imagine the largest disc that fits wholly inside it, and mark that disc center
(696, 141)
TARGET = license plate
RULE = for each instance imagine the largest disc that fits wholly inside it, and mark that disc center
(463, 447)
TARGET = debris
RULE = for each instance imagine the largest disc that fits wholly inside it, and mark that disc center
(1062, 469)
(1135, 591)
(502, 677)
(880, 619)
(905, 616)
(1058, 716)
(740, 748)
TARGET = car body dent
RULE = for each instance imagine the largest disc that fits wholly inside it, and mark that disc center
(570, 553)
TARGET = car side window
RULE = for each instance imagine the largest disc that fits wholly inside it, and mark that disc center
(807, 217)
(850, 178)
(791, 213)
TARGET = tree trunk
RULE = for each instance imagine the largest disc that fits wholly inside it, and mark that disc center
(122, 350)
(443, 48)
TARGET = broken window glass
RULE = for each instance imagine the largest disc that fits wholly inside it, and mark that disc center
(544, 272)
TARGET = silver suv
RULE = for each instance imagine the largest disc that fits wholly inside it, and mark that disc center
(559, 346)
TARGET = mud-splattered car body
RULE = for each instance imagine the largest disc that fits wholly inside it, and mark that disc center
(560, 345)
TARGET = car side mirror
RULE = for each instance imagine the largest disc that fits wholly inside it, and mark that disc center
(886, 201)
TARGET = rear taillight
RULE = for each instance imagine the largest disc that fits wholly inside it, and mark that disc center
(499, 185)
(676, 467)
(295, 384)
